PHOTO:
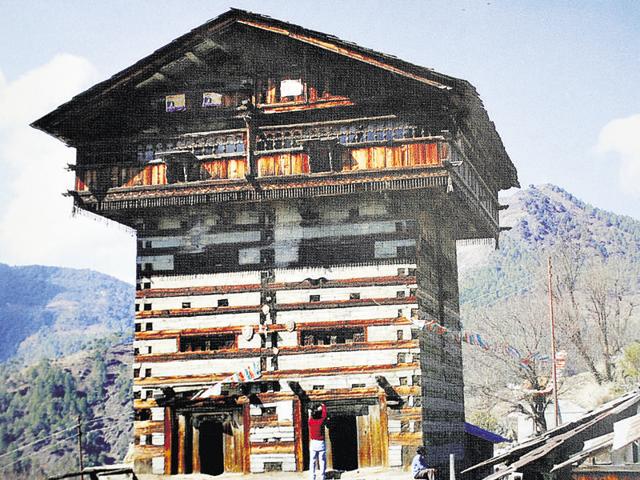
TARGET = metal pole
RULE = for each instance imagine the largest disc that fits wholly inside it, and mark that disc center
(80, 445)
(553, 349)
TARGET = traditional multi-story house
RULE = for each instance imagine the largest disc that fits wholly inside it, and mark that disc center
(297, 200)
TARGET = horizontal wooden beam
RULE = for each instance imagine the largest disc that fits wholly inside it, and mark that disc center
(277, 374)
(304, 285)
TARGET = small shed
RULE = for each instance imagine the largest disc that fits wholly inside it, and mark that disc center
(478, 444)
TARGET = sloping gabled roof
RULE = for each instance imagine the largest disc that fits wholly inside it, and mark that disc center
(461, 92)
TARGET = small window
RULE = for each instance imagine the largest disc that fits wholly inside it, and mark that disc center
(413, 292)
(148, 394)
(414, 313)
(136, 351)
(137, 394)
(314, 298)
(138, 286)
(415, 333)
(358, 385)
(318, 387)
(403, 380)
(291, 88)
(149, 349)
(136, 373)
(402, 272)
(137, 307)
(147, 267)
(147, 372)
(223, 302)
(417, 401)
(400, 294)
(400, 334)
(412, 272)
(402, 358)
(416, 357)
(146, 285)
(148, 326)
(142, 414)
(404, 426)
(416, 380)
(147, 244)
(186, 304)
(417, 426)
(354, 296)
(138, 327)
(147, 307)
(272, 466)
(207, 343)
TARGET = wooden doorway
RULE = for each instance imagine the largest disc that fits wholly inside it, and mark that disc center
(211, 447)
(343, 434)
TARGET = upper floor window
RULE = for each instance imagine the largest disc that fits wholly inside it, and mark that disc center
(207, 343)
(281, 90)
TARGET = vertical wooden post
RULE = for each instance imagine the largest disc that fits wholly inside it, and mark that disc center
(80, 445)
(182, 424)
(297, 435)
(195, 462)
(384, 430)
(246, 424)
(554, 370)
(169, 437)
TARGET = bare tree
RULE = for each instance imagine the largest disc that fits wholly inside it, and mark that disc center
(497, 373)
(595, 308)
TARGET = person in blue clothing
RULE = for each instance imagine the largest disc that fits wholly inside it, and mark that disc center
(419, 466)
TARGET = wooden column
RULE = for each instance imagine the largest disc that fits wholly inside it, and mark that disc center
(195, 458)
(297, 434)
(169, 439)
(246, 424)
(182, 425)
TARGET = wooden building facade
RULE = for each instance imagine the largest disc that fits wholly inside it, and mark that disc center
(297, 200)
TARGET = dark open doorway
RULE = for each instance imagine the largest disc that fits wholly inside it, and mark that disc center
(343, 433)
(211, 448)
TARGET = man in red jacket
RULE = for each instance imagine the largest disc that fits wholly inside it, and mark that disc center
(317, 447)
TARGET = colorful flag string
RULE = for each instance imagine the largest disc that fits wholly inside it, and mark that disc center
(247, 374)
(476, 339)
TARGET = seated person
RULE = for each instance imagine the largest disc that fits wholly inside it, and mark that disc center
(419, 466)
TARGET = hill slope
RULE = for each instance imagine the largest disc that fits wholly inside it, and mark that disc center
(50, 311)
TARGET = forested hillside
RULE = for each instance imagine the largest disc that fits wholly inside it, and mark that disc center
(65, 354)
(40, 406)
(595, 258)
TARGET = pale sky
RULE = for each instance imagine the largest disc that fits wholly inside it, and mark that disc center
(559, 79)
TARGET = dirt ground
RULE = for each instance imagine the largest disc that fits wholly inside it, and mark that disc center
(360, 474)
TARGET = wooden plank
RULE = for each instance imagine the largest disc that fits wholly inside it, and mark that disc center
(273, 447)
(406, 438)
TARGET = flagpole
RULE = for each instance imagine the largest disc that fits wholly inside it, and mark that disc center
(553, 348)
